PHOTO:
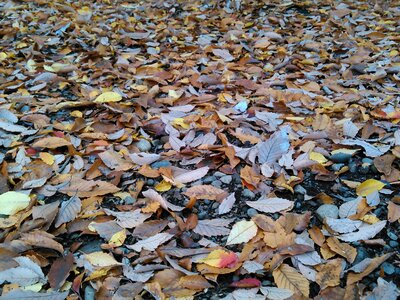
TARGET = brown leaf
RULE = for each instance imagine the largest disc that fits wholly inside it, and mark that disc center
(393, 212)
(41, 239)
(287, 277)
(374, 263)
(153, 195)
(342, 249)
(205, 192)
(329, 273)
(59, 270)
(51, 143)
(194, 282)
(384, 163)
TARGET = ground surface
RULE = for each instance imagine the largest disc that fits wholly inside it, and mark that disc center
(181, 150)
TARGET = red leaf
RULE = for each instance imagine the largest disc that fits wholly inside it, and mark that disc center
(246, 283)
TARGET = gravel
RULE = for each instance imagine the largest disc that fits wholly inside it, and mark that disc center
(160, 164)
(217, 183)
(327, 210)
(388, 268)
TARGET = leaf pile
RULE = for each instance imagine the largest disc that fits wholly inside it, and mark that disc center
(177, 149)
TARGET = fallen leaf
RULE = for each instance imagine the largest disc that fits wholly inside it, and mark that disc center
(226, 204)
(242, 232)
(221, 259)
(369, 186)
(275, 293)
(151, 243)
(205, 192)
(287, 277)
(108, 97)
(373, 264)
(393, 212)
(59, 270)
(13, 202)
(364, 232)
(271, 205)
(68, 211)
(101, 259)
(342, 249)
(51, 143)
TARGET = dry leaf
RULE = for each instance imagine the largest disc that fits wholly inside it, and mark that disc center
(151, 243)
(270, 205)
(242, 232)
(287, 277)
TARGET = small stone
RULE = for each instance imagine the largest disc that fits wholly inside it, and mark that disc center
(378, 212)
(202, 215)
(353, 167)
(388, 268)
(362, 253)
(266, 283)
(217, 183)
(340, 157)
(161, 164)
(207, 202)
(367, 160)
(251, 212)
(237, 179)
(150, 182)
(337, 167)
(393, 244)
(298, 204)
(235, 278)
(209, 179)
(364, 169)
(227, 179)
(89, 293)
(129, 200)
(143, 145)
(392, 236)
(327, 210)
(197, 182)
(219, 174)
(248, 194)
(215, 205)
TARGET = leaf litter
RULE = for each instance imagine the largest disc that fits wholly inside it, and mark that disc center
(136, 138)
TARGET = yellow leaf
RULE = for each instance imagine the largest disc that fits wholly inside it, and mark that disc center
(287, 277)
(118, 238)
(108, 97)
(220, 259)
(47, 158)
(76, 114)
(180, 122)
(370, 219)
(13, 202)
(3, 56)
(318, 157)
(101, 259)
(369, 186)
(163, 186)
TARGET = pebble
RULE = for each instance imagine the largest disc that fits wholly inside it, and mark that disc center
(217, 183)
(251, 212)
(364, 168)
(219, 174)
(160, 164)
(340, 157)
(150, 182)
(392, 235)
(266, 283)
(207, 202)
(393, 244)
(378, 211)
(337, 167)
(367, 160)
(388, 268)
(215, 205)
(353, 167)
(25, 109)
(327, 210)
(237, 179)
(227, 179)
(129, 200)
(198, 182)
(143, 145)
(298, 204)
(90, 247)
(209, 179)
(89, 293)
(361, 255)
(202, 215)
(247, 193)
